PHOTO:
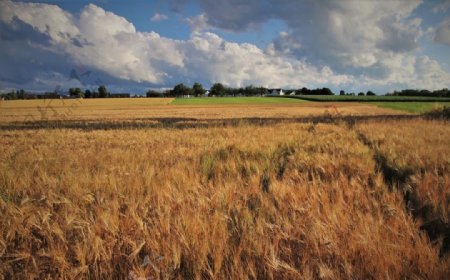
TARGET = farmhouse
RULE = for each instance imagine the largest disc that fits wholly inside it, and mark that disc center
(276, 91)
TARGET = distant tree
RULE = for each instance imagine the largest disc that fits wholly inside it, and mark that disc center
(75, 92)
(154, 93)
(87, 94)
(229, 91)
(370, 93)
(198, 89)
(181, 90)
(72, 91)
(253, 91)
(218, 89)
(262, 91)
(319, 91)
(167, 92)
(21, 94)
(304, 91)
(342, 92)
(102, 92)
(361, 94)
(250, 90)
(327, 91)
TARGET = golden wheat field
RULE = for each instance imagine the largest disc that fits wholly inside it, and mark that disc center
(151, 108)
(233, 200)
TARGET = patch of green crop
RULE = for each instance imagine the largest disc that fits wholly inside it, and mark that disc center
(412, 107)
(234, 100)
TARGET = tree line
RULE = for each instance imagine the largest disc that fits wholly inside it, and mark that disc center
(220, 90)
(414, 92)
(101, 92)
(217, 89)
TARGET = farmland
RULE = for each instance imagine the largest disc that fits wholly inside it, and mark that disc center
(218, 199)
(364, 98)
(234, 100)
(413, 107)
(159, 108)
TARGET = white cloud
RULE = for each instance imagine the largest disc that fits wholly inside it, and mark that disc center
(110, 43)
(158, 17)
(198, 23)
(372, 41)
(243, 64)
(336, 44)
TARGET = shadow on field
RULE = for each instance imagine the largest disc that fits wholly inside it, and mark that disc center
(186, 123)
(399, 179)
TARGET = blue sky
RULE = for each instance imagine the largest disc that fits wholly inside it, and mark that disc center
(132, 46)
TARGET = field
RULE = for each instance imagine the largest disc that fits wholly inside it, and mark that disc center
(374, 98)
(413, 107)
(234, 100)
(223, 197)
(148, 109)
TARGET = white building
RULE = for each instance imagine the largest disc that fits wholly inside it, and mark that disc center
(276, 91)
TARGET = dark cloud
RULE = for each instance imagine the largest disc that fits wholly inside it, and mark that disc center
(237, 15)
(20, 31)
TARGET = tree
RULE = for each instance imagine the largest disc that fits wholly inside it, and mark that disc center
(304, 91)
(102, 92)
(75, 92)
(72, 91)
(361, 94)
(326, 91)
(342, 92)
(198, 89)
(21, 94)
(218, 89)
(370, 93)
(154, 93)
(181, 90)
(87, 94)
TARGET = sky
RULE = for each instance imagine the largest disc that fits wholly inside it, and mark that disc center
(134, 46)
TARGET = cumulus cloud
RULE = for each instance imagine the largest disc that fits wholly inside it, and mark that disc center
(158, 17)
(243, 64)
(369, 40)
(198, 23)
(352, 33)
(110, 43)
(336, 44)
(98, 39)
(442, 34)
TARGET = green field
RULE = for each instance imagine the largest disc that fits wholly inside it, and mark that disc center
(412, 107)
(376, 98)
(233, 100)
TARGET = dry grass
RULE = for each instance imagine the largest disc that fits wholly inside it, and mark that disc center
(146, 108)
(281, 201)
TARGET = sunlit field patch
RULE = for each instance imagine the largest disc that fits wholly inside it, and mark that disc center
(281, 200)
(158, 108)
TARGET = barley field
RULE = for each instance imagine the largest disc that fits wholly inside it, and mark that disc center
(365, 199)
